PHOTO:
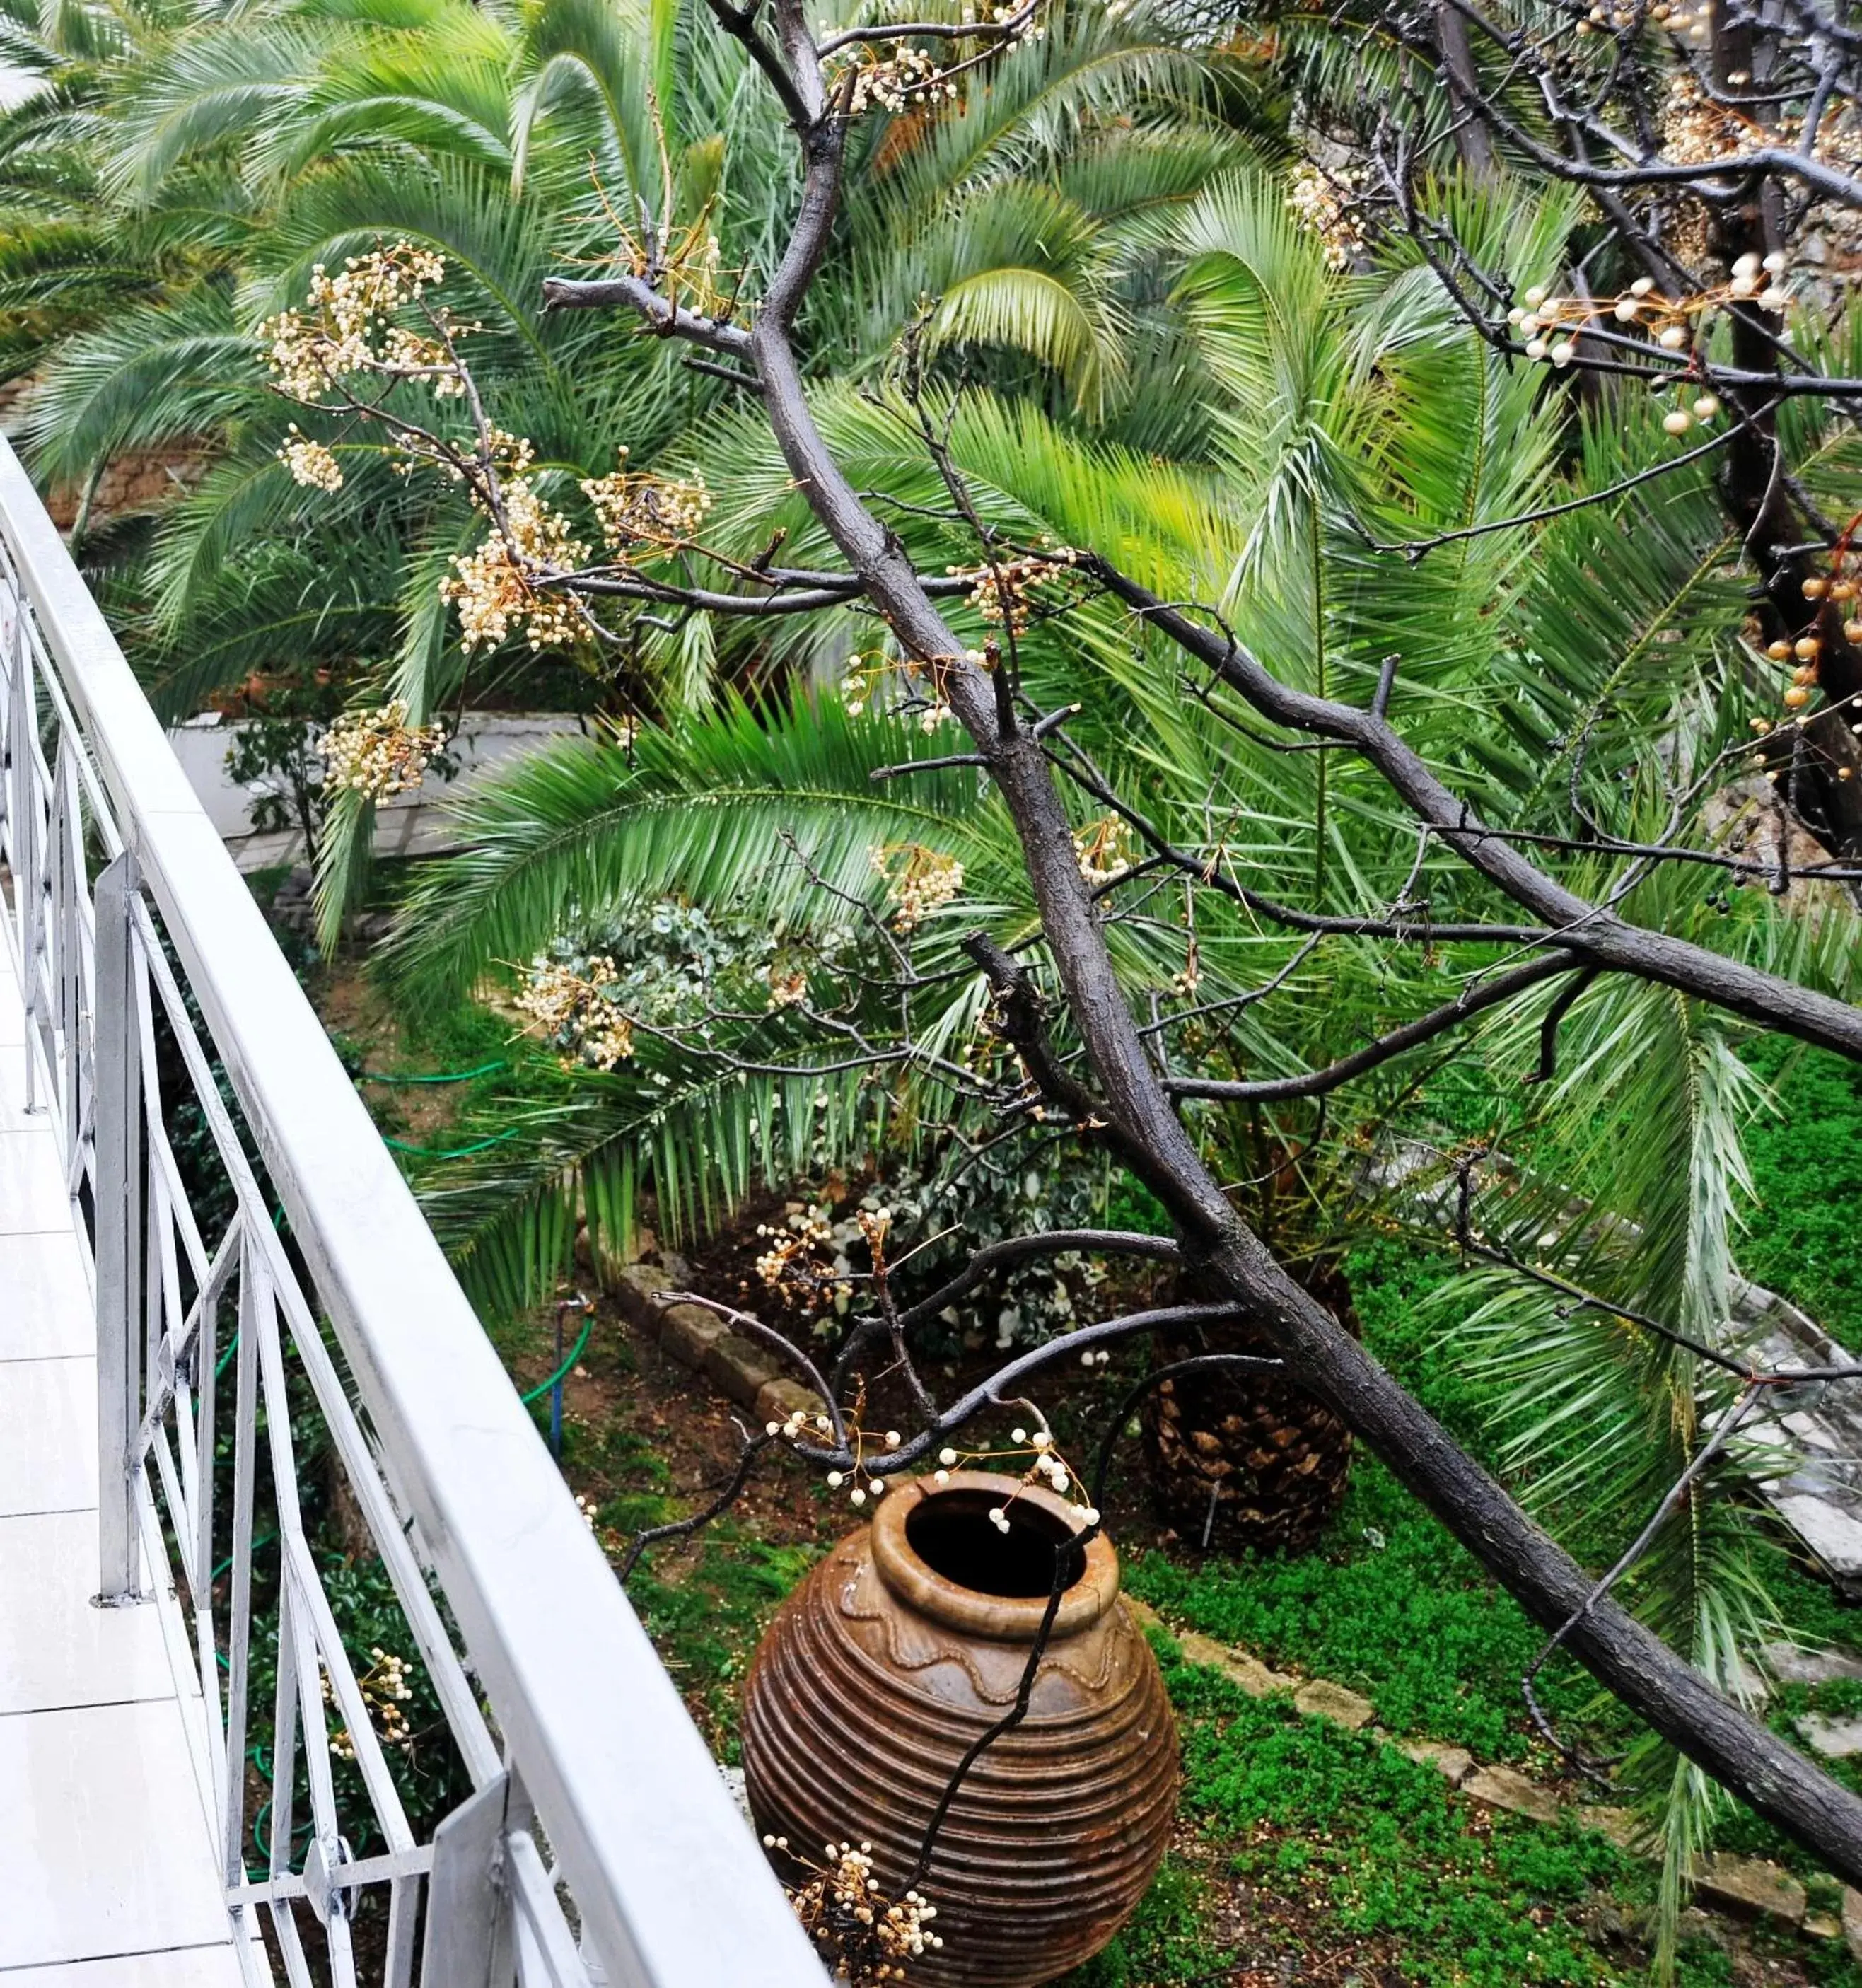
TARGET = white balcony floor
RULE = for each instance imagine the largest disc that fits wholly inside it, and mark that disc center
(108, 1879)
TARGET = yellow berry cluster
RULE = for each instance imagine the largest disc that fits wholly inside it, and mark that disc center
(575, 1011)
(377, 753)
(1804, 652)
(920, 882)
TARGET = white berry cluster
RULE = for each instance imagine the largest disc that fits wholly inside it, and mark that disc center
(929, 704)
(788, 987)
(1047, 1467)
(1104, 851)
(377, 753)
(865, 1938)
(790, 1260)
(414, 355)
(310, 462)
(859, 1480)
(1548, 323)
(908, 74)
(892, 81)
(498, 587)
(999, 593)
(1551, 325)
(1322, 202)
(647, 510)
(864, 675)
(799, 1425)
(808, 1260)
(919, 881)
(860, 1483)
(1696, 130)
(785, 1261)
(574, 1008)
(343, 327)
(385, 1690)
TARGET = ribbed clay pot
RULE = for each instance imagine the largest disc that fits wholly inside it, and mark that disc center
(904, 1645)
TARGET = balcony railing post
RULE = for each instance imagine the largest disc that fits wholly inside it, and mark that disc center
(119, 1239)
(67, 867)
(11, 614)
(22, 728)
(469, 1925)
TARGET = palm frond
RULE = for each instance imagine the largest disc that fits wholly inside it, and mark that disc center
(708, 807)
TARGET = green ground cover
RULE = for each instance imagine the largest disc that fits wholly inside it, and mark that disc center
(1376, 1852)
(1361, 1865)
(1802, 1238)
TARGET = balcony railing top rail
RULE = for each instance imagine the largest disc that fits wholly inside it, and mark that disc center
(125, 906)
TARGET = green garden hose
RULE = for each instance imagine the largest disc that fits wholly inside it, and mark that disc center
(449, 1152)
(265, 1539)
(444, 1076)
(441, 1076)
(543, 1387)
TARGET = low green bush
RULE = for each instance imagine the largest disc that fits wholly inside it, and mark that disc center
(1807, 1164)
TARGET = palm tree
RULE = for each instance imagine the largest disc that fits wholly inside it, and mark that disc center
(510, 142)
(231, 153)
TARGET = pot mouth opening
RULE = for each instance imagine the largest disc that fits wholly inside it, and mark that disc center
(952, 1533)
(934, 1546)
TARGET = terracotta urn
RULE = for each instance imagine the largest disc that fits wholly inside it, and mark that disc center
(908, 1642)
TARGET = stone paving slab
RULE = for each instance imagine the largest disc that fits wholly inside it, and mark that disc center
(1505, 1787)
(33, 1197)
(181, 1967)
(1453, 1763)
(56, 1651)
(101, 1836)
(1746, 1885)
(46, 1313)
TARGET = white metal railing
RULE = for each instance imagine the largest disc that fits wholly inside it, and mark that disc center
(590, 1822)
